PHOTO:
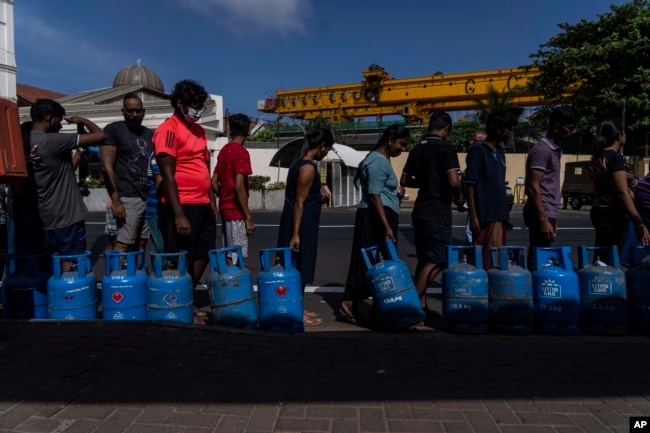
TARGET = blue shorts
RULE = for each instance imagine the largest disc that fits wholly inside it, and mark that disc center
(67, 241)
(431, 241)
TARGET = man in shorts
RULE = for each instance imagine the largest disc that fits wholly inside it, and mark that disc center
(230, 183)
(125, 159)
(60, 205)
(188, 220)
(432, 166)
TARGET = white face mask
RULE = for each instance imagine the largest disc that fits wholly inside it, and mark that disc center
(193, 114)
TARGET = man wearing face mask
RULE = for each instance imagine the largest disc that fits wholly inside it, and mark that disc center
(181, 148)
(125, 157)
(485, 178)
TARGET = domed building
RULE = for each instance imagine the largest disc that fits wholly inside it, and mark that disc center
(138, 74)
(104, 106)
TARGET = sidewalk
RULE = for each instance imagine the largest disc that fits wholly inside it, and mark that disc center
(115, 377)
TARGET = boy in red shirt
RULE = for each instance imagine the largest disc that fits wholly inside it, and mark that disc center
(230, 183)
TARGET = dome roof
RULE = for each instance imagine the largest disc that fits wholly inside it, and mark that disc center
(138, 74)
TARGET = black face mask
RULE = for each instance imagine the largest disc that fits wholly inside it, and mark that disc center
(134, 125)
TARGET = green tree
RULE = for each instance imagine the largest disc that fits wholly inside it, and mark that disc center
(602, 67)
(495, 99)
(264, 135)
(462, 131)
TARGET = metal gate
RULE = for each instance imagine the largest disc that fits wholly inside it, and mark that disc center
(343, 191)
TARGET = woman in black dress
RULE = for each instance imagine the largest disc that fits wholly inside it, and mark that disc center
(302, 205)
(612, 203)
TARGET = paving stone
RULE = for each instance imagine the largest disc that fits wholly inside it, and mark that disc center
(86, 411)
(303, 424)
(372, 420)
(155, 414)
(414, 426)
(231, 423)
(193, 420)
(43, 425)
(337, 412)
(18, 414)
(345, 426)
(83, 426)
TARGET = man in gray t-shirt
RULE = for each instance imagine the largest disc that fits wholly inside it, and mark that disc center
(125, 157)
(60, 204)
(543, 166)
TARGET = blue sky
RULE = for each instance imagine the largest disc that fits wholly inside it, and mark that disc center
(244, 50)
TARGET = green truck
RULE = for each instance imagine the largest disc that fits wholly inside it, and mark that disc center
(577, 187)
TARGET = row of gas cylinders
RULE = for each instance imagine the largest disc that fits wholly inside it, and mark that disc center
(31, 291)
(554, 299)
(598, 298)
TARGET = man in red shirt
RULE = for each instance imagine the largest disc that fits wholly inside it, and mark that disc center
(230, 183)
(189, 220)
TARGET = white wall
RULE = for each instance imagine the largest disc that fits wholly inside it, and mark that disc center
(8, 67)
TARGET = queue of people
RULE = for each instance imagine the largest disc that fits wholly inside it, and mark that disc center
(160, 187)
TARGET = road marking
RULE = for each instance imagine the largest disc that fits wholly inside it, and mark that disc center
(348, 226)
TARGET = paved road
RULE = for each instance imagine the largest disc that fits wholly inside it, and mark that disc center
(335, 239)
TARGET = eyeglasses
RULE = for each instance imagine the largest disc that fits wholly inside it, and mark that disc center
(133, 110)
(571, 128)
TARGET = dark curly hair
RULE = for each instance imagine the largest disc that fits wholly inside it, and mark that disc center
(189, 92)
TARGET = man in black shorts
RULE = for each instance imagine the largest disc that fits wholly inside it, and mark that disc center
(432, 166)
(181, 145)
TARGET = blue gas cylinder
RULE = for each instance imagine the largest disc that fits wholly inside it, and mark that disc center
(72, 294)
(465, 291)
(638, 284)
(24, 290)
(556, 293)
(231, 290)
(603, 293)
(393, 292)
(170, 289)
(279, 292)
(510, 287)
(124, 286)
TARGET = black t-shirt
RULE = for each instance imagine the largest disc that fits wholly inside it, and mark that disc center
(133, 150)
(428, 162)
(602, 168)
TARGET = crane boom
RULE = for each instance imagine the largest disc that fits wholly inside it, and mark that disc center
(412, 98)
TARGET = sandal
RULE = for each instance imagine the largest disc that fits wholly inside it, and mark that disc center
(311, 319)
(347, 312)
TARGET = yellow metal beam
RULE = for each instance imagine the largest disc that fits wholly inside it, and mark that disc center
(412, 98)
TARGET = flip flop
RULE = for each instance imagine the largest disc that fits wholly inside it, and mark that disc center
(312, 320)
(348, 315)
(198, 320)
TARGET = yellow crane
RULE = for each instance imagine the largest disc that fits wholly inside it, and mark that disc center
(413, 98)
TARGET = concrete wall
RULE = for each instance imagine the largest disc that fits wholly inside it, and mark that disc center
(515, 167)
(269, 200)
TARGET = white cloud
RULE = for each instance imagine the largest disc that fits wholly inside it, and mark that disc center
(259, 17)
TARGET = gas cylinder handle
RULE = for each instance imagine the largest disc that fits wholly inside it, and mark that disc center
(288, 256)
(82, 260)
(583, 255)
(511, 255)
(453, 254)
(373, 252)
(549, 256)
(218, 259)
(157, 262)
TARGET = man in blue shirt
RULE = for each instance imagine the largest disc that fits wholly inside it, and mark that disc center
(485, 179)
